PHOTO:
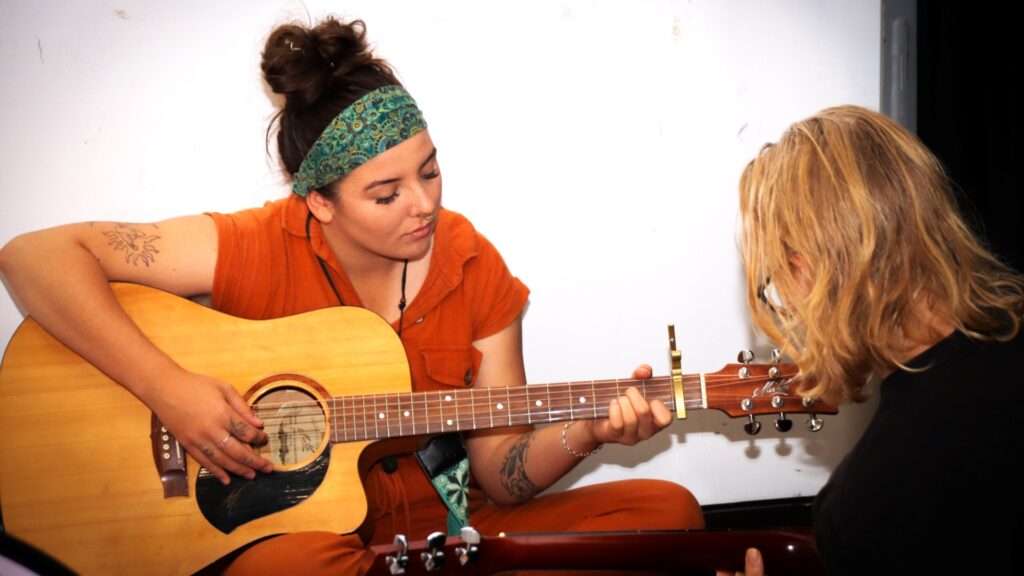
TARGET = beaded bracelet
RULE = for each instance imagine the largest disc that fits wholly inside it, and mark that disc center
(565, 444)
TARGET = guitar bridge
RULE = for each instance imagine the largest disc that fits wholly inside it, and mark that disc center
(169, 458)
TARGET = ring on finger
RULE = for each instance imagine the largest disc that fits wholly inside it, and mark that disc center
(220, 445)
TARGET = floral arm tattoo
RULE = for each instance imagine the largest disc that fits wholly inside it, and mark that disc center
(138, 246)
(513, 470)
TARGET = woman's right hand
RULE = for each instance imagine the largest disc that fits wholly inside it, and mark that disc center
(212, 422)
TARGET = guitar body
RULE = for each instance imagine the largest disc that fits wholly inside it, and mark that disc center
(78, 472)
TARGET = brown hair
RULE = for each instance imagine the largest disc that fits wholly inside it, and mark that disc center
(320, 71)
(853, 222)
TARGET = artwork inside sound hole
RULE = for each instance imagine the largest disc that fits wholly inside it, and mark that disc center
(295, 425)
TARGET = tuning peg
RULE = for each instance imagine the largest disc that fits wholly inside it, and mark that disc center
(753, 426)
(814, 423)
(433, 559)
(783, 424)
(397, 563)
(776, 355)
(468, 554)
(745, 356)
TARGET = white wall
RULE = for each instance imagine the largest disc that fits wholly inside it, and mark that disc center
(597, 144)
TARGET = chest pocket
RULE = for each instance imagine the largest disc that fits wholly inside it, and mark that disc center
(452, 366)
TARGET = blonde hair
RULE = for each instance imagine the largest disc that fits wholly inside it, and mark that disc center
(853, 222)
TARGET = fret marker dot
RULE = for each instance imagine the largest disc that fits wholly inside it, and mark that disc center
(449, 422)
(406, 413)
(448, 398)
(381, 415)
(539, 403)
(583, 399)
(500, 406)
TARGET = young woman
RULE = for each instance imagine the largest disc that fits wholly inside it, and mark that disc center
(364, 226)
(860, 266)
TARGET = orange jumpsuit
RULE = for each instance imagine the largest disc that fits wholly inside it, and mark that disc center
(267, 268)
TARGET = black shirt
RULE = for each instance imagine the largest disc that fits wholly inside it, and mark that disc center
(929, 488)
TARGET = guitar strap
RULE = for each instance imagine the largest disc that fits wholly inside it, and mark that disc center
(445, 461)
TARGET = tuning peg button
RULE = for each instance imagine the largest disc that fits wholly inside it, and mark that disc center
(468, 554)
(753, 426)
(783, 424)
(400, 560)
(434, 559)
(745, 356)
(814, 423)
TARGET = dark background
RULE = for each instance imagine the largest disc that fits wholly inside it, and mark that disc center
(969, 112)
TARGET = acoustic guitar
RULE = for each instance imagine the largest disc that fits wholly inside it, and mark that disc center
(89, 476)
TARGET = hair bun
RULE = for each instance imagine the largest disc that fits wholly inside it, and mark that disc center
(302, 63)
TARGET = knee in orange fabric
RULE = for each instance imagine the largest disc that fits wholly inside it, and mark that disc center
(304, 553)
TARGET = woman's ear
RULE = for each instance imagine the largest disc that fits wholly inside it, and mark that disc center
(322, 208)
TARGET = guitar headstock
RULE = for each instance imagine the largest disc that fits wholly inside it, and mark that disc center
(746, 389)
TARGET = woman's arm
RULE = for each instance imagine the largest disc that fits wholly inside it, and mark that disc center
(61, 277)
(512, 465)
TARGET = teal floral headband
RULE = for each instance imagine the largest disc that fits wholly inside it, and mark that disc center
(377, 122)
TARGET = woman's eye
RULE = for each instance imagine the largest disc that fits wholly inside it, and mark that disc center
(432, 174)
(387, 199)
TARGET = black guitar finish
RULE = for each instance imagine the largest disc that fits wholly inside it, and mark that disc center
(228, 507)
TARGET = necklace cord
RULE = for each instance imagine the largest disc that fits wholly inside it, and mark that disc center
(330, 281)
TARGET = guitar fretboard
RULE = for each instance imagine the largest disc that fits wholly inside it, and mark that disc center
(370, 417)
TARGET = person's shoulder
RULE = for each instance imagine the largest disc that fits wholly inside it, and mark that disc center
(268, 208)
(284, 211)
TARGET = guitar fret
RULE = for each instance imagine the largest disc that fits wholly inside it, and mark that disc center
(529, 406)
(366, 427)
(426, 410)
(398, 412)
(508, 407)
(455, 402)
(490, 407)
(344, 432)
(472, 405)
(547, 390)
(593, 398)
(440, 410)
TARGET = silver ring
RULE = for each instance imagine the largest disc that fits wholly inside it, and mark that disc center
(220, 445)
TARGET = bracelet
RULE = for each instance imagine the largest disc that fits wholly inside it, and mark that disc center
(565, 444)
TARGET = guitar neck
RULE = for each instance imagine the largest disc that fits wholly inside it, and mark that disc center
(370, 417)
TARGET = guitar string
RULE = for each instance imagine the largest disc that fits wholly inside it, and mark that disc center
(471, 404)
(689, 383)
(518, 411)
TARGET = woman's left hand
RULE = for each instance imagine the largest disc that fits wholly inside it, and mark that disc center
(631, 418)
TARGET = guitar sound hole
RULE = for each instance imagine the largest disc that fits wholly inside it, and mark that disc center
(295, 425)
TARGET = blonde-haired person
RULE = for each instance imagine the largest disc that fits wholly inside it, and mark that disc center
(859, 265)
